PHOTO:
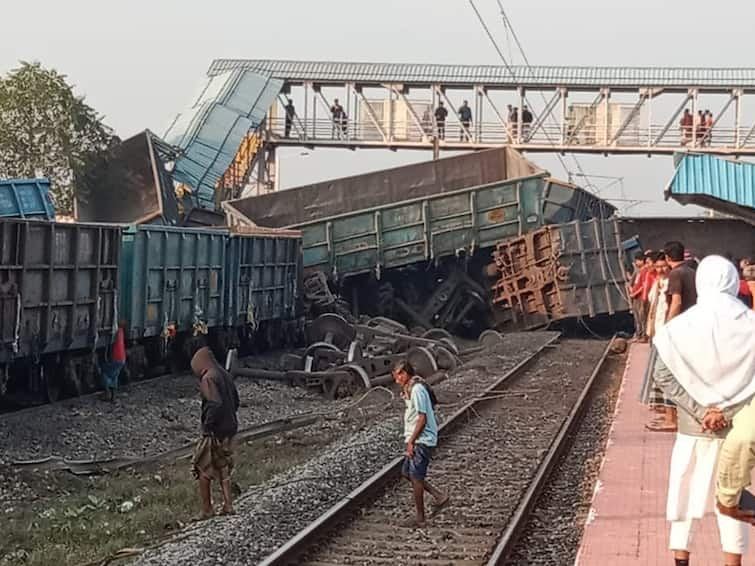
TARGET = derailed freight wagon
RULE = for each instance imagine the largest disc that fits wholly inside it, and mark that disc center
(571, 271)
(64, 288)
(413, 242)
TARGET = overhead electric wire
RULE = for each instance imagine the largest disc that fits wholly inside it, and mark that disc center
(509, 68)
(507, 23)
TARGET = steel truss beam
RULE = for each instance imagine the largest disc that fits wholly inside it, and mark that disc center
(642, 128)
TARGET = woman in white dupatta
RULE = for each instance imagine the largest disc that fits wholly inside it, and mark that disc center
(706, 359)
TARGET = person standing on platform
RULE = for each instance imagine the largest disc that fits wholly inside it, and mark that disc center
(682, 292)
(706, 364)
(652, 395)
(681, 295)
(635, 292)
(440, 120)
(421, 437)
(213, 454)
(748, 274)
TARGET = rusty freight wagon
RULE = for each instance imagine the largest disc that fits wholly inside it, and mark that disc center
(562, 271)
(413, 241)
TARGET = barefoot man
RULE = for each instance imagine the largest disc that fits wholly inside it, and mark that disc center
(421, 436)
(213, 454)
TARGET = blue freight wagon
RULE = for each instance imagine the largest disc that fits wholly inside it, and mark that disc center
(26, 198)
(186, 285)
(65, 287)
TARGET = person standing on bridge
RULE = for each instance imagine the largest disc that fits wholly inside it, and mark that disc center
(465, 116)
(526, 122)
(686, 124)
(213, 454)
(290, 115)
(421, 437)
(339, 118)
(708, 117)
(706, 363)
(440, 120)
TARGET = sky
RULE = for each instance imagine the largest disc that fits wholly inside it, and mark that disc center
(139, 63)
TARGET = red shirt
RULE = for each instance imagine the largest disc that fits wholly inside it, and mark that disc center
(118, 353)
(647, 283)
(638, 283)
(744, 288)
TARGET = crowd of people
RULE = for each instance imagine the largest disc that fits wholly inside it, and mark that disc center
(696, 128)
(517, 121)
(700, 384)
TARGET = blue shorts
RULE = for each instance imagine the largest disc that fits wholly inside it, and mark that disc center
(416, 467)
(110, 372)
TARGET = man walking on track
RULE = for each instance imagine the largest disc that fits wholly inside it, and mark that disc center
(213, 454)
(421, 436)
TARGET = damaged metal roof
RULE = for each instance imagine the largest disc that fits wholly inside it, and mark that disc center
(209, 133)
(720, 184)
(494, 75)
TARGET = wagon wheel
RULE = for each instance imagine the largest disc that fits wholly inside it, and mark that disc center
(313, 360)
(437, 334)
(490, 338)
(450, 345)
(332, 328)
(359, 380)
(446, 359)
(422, 361)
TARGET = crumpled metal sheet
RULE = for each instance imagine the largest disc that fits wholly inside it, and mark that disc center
(210, 131)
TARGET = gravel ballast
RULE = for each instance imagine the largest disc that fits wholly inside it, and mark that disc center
(274, 512)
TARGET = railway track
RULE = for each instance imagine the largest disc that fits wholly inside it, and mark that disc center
(494, 457)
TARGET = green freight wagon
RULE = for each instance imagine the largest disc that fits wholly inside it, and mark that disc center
(422, 212)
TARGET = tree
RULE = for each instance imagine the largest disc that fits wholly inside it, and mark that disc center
(48, 131)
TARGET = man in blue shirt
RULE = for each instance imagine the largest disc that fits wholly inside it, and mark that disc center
(421, 436)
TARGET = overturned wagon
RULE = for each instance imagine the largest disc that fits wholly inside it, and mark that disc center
(413, 241)
(563, 271)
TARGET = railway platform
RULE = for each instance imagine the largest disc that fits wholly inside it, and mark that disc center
(627, 523)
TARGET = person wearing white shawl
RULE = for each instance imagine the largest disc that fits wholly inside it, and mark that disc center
(707, 366)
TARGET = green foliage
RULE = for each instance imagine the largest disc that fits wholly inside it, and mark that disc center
(47, 131)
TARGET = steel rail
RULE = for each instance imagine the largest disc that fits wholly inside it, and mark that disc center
(560, 443)
(288, 552)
